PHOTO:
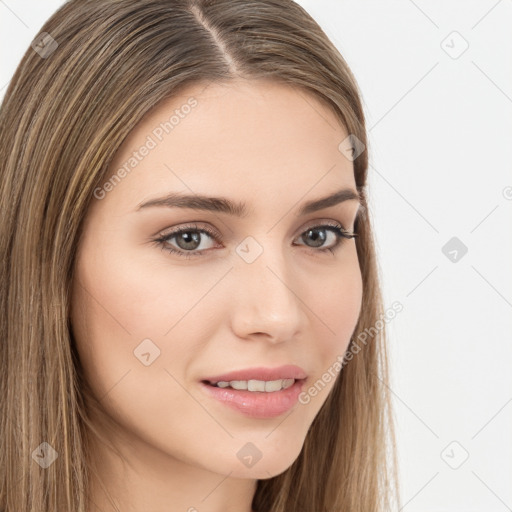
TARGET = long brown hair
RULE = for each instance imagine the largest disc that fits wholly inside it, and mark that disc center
(96, 68)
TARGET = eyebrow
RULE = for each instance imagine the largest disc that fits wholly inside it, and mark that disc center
(239, 209)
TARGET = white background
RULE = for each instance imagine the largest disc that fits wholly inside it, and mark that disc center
(440, 128)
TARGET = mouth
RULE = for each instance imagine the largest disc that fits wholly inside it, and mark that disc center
(257, 378)
(261, 386)
(254, 398)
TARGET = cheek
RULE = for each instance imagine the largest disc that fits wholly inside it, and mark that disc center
(121, 301)
(124, 309)
(338, 307)
(129, 297)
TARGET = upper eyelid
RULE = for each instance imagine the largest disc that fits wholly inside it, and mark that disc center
(196, 226)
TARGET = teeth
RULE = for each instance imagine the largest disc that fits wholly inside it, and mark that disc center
(257, 385)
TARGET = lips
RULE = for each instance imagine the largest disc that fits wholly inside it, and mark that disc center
(256, 404)
(260, 373)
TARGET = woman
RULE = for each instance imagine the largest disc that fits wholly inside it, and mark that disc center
(187, 266)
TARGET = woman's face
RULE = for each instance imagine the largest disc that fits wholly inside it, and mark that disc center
(253, 291)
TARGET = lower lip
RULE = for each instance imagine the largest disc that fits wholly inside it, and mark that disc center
(257, 404)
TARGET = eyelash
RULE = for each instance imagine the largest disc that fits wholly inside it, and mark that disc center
(162, 241)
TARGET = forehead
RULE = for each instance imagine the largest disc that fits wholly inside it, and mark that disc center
(253, 138)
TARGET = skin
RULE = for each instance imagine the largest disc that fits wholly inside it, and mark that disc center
(272, 147)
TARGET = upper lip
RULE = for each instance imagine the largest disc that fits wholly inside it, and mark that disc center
(288, 371)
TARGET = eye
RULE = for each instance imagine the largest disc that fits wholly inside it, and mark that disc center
(189, 238)
(318, 235)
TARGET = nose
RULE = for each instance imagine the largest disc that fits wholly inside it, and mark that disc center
(266, 300)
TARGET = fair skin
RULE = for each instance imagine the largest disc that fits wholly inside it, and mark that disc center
(274, 148)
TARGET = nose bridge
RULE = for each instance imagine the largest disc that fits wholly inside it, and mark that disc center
(266, 300)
